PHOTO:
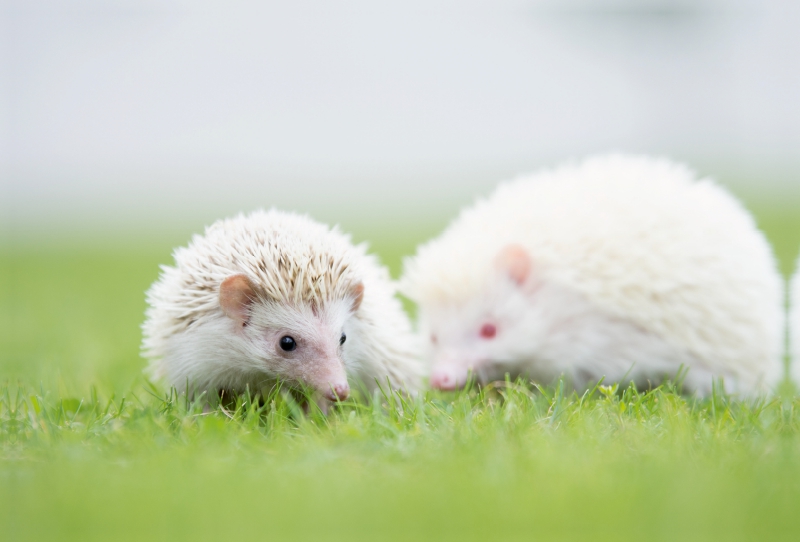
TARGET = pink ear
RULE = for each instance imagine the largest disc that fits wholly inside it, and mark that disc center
(357, 292)
(515, 261)
(236, 294)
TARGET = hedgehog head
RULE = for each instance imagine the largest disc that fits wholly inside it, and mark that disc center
(478, 329)
(299, 341)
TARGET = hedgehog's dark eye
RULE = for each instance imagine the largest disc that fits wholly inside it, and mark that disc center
(342, 339)
(288, 344)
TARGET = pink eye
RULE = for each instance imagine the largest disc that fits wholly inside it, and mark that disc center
(488, 331)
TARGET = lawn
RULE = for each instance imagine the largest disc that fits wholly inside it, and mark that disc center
(90, 451)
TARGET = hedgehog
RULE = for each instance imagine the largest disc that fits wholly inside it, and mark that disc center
(794, 326)
(276, 297)
(622, 268)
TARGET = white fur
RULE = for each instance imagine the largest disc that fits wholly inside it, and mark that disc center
(794, 326)
(304, 270)
(640, 268)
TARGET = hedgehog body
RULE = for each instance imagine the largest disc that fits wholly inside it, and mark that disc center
(621, 267)
(275, 296)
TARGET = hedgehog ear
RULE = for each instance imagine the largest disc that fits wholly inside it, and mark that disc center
(236, 294)
(357, 294)
(514, 261)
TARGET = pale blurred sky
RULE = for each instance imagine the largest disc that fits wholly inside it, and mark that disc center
(131, 112)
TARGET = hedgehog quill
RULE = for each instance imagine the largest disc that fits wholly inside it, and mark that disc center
(619, 267)
(274, 296)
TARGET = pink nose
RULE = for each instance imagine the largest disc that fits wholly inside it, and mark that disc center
(337, 392)
(447, 378)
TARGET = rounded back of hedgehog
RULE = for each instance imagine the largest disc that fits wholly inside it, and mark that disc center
(642, 239)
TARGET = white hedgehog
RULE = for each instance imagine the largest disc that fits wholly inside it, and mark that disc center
(622, 267)
(794, 326)
(276, 296)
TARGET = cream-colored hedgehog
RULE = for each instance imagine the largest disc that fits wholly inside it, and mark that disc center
(794, 326)
(621, 267)
(276, 296)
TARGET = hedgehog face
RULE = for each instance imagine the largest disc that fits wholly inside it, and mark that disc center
(489, 334)
(300, 344)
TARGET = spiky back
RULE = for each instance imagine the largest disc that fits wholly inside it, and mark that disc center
(291, 258)
(642, 238)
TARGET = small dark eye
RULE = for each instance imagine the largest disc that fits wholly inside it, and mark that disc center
(342, 339)
(288, 344)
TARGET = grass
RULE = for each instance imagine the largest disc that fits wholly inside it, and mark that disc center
(89, 451)
(506, 462)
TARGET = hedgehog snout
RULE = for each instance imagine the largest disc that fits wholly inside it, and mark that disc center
(329, 378)
(337, 392)
(448, 377)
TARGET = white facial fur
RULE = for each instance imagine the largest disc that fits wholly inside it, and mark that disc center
(460, 335)
(242, 348)
(317, 359)
(481, 334)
